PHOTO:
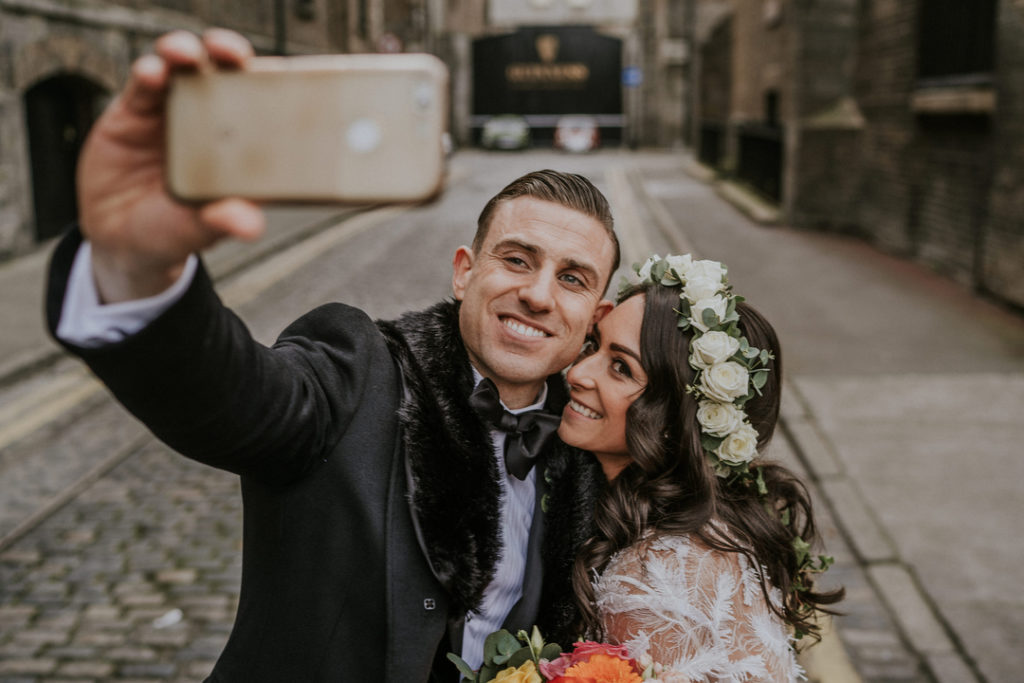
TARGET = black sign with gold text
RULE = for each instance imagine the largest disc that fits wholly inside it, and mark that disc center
(547, 71)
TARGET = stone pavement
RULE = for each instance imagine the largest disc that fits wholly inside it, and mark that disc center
(902, 408)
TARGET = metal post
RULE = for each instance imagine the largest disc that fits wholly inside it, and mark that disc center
(280, 28)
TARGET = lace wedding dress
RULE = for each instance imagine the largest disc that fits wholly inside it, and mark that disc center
(699, 612)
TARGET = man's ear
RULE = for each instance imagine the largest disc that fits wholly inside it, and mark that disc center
(604, 307)
(462, 268)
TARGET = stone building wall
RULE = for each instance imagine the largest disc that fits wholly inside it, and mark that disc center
(1002, 256)
(938, 161)
(95, 43)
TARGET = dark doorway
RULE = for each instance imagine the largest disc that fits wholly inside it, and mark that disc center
(59, 112)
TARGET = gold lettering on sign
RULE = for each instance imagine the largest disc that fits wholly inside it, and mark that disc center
(547, 47)
(537, 75)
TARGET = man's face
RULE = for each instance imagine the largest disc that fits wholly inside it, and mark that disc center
(531, 293)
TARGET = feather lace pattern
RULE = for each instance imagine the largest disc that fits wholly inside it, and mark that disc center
(699, 612)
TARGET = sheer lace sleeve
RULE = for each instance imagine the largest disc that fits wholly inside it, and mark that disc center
(698, 612)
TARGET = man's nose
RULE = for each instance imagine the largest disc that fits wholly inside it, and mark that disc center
(538, 292)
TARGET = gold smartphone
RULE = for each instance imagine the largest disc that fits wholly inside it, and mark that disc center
(323, 128)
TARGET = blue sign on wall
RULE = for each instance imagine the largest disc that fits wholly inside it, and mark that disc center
(632, 76)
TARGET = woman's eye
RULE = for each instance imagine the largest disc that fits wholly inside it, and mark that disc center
(621, 367)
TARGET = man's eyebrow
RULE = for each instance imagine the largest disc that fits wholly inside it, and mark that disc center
(622, 349)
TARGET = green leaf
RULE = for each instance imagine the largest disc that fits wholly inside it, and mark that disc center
(784, 518)
(519, 656)
(709, 442)
(802, 549)
(709, 317)
(551, 651)
(463, 668)
(762, 488)
(658, 270)
(758, 378)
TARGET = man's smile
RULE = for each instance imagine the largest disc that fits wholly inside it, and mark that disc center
(522, 328)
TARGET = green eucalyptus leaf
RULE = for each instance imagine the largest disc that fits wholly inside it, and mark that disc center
(709, 318)
(519, 656)
(463, 668)
(784, 518)
(802, 549)
(709, 442)
(658, 270)
(551, 652)
(762, 488)
(759, 378)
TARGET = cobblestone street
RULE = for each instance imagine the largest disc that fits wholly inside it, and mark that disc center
(136, 579)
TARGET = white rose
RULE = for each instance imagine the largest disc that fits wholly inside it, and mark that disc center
(679, 263)
(712, 347)
(713, 270)
(716, 303)
(739, 447)
(719, 419)
(645, 269)
(724, 382)
(699, 288)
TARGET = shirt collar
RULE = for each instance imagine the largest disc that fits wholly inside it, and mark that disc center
(536, 405)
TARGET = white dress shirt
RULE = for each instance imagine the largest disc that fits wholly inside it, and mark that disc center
(87, 322)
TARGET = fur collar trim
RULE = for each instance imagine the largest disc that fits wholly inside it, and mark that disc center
(455, 490)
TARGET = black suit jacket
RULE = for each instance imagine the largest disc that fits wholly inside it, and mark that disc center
(370, 503)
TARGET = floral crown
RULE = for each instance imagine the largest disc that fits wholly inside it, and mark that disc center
(729, 371)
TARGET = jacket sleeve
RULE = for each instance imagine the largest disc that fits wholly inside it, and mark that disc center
(203, 385)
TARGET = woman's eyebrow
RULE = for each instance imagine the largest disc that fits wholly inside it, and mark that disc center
(619, 348)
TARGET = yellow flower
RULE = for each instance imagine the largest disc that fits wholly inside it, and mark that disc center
(527, 673)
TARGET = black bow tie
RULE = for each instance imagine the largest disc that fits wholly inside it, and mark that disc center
(526, 433)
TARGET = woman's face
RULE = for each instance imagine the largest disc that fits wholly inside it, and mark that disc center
(603, 383)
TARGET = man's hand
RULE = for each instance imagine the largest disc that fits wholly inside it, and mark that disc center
(141, 237)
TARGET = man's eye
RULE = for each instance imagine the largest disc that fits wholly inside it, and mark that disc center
(572, 280)
(515, 261)
(589, 346)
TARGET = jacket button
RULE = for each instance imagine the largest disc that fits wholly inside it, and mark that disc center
(429, 604)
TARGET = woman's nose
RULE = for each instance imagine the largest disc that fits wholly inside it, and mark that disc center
(580, 375)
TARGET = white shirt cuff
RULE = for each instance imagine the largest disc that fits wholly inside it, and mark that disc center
(87, 323)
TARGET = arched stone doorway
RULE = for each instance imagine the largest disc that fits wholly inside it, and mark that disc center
(59, 111)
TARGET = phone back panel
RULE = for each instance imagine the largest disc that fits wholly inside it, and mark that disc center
(347, 128)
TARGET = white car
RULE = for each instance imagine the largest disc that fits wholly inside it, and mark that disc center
(577, 133)
(507, 131)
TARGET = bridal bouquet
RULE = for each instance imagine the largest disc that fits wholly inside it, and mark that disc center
(528, 659)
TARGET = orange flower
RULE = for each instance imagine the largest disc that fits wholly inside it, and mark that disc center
(604, 669)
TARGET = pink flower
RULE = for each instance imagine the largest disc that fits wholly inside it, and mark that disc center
(582, 651)
(555, 668)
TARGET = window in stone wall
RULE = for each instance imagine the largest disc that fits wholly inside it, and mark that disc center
(956, 40)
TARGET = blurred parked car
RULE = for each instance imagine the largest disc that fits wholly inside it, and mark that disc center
(577, 133)
(507, 131)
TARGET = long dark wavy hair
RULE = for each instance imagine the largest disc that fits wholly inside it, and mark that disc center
(670, 487)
